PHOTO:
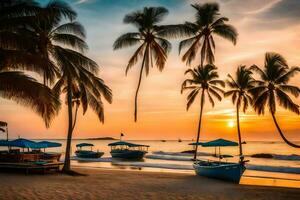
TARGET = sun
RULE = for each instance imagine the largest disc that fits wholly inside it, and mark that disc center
(230, 123)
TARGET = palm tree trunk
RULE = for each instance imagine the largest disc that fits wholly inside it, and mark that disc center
(199, 125)
(75, 117)
(67, 166)
(138, 87)
(239, 131)
(281, 133)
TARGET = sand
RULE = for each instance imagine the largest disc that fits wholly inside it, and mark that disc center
(123, 185)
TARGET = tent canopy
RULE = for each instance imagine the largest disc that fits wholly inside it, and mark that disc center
(219, 143)
(47, 144)
(122, 143)
(84, 145)
(195, 143)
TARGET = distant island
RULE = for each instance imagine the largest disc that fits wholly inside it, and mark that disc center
(101, 138)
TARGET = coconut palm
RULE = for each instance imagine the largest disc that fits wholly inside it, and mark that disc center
(204, 79)
(200, 33)
(28, 92)
(239, 87)
(79, 82)
(273, 88)
(16, 85)
(54, 26)
(152, 45)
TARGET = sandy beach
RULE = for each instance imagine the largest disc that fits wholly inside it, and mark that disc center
(118, 184)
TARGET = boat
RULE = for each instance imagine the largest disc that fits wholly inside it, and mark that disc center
(179, 140)
(126, 150)
(163, 140)
(227, 171)
(15, 155)
(87, 153)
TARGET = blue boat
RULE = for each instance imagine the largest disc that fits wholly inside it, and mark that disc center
(227, 171)
(87, 153)
(220, 170)
(126, 150)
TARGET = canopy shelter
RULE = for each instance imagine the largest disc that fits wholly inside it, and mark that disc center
(80, 145)
(4, 128)
(196, 143)
(24, 143)
(49, 144)
(123, 144)
(220, 143)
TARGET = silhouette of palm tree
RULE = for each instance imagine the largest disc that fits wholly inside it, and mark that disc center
(153, 46)
(273, 87)
(204, 80)
(239, 87)
(201, 33)
(14, 43)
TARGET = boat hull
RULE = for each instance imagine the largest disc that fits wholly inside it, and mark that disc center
(231, 172)
(88, 154)
(128, 154)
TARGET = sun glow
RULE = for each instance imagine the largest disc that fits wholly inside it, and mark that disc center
(230, 123)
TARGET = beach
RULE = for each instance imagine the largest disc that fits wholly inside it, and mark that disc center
(120, 184)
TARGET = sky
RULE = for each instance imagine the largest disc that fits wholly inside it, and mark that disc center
(263, 26)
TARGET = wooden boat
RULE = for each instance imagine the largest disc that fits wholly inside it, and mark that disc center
(126, 150)
(227, 171)
(15, 155)
(87, 153)
(220, 170)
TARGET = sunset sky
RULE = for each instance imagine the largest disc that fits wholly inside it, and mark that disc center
(263, 25)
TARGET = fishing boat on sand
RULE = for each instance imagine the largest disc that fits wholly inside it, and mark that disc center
(87, 153)
(227, 171)
(126, 150)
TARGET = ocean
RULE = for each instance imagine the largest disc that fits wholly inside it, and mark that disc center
(167, 157)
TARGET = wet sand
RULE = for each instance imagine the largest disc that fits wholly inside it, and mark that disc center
(125, 185)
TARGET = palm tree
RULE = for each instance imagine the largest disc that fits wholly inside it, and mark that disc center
(201, 33)
(79, 82)
(27, 91)
(204, 80)
(15, 85)
(47, 32)
(239, 88)
(152, 45)
(273, 88)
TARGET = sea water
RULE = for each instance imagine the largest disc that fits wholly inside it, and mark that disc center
(168, 156)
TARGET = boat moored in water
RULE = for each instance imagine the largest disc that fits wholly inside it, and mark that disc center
(126, 150)
(227, 171)
(87, 153)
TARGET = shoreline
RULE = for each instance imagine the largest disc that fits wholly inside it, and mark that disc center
(121, 184)
(284, 181)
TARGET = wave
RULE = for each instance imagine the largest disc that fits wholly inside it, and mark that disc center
(286, 157)
(181, 154)
(103, 159)
(169, 157)
(281, 169)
